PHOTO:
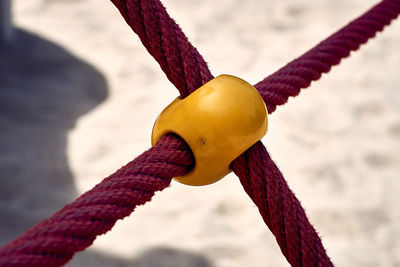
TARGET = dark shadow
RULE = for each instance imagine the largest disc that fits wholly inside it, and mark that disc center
(43, 91)
(156, 257)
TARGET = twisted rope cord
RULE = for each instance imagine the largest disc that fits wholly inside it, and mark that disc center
(259, 175)
(54, 241)
(298, 240)
(279, 208)
(150, 31)
(165, 41)
(299, 73)
(296, 237)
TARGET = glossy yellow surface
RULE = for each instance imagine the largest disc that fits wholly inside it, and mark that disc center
(219, 121)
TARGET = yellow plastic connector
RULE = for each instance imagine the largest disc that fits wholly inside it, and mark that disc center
(219, 121)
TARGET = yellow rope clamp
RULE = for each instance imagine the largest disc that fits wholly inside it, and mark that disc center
(219, 121)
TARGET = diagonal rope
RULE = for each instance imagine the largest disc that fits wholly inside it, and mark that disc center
(165, 41)
(299, 73)
(279, 208)
(54, 241)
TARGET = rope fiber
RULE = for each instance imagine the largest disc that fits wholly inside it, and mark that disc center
(54, 241)
(299, 73)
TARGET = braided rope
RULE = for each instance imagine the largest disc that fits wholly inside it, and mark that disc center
(45, 244)
(54, 241)
(279, 208)
(165, 41)
(299, 73)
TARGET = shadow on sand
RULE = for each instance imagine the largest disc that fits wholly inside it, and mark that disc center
(43, 91)
(155, 257)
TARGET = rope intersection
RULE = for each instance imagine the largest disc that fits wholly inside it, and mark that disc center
(54, 241)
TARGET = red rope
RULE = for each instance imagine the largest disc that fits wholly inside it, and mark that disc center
(259, 175)
(165, 41)
(279, 208)
(299, 73)
(54, 241)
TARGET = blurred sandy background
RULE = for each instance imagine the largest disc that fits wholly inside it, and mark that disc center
(79, 95)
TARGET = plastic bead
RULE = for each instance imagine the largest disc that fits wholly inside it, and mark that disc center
(219, 121)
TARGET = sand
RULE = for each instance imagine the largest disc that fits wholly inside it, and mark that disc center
(79, 95)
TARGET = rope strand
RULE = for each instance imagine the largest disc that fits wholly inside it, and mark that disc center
(54, 241)
(165, 41)
(299, 73)
(279, 208)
